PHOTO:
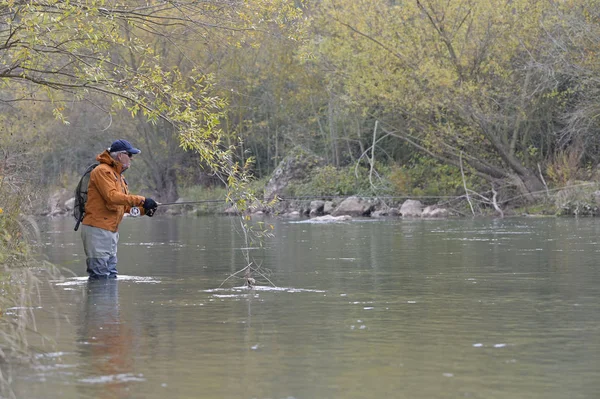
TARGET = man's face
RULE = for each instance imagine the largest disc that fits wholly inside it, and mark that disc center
(125, 159)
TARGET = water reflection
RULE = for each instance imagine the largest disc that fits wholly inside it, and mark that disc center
(106, 342)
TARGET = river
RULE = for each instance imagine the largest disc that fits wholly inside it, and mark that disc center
(363, 309)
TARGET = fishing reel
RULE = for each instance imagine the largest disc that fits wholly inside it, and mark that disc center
(134, 211)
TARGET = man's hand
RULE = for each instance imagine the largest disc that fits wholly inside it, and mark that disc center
(150, 206)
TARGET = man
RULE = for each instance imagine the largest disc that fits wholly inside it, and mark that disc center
(108, 200)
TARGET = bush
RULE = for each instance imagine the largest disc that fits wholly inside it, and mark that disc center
(422, 177)
(329, 181)
(578, 200)
(14, 229)
(427, 177)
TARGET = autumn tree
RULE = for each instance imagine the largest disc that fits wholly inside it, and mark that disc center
(571, 64)
(459, 81)
(65, 51)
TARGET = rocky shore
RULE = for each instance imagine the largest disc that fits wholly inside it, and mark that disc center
(60, 203)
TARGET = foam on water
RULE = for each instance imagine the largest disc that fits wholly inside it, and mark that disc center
(56, 368)
(313, 221)
(83, 280)
(52, 355)
(262, 288)
(104, 379)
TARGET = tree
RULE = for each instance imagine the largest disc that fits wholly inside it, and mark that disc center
(71, 49)
(80, 50)
(456, 80)
(573, 45)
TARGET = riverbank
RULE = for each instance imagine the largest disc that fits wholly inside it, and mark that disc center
(304, 186)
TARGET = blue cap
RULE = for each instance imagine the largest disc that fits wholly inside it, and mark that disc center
(123, 145)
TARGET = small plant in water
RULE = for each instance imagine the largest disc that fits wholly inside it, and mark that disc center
(237, 178)
(254, 234)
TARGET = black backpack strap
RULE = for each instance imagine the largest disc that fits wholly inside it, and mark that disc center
(80, 201)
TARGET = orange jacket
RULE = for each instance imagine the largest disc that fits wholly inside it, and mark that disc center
(108, 195)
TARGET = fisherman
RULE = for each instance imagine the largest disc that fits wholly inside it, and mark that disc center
(108, 200)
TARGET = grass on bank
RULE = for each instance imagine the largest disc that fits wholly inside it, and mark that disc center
(422, 178)
(19, 284)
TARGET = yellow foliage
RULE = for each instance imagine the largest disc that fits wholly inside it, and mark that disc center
(400, 180)
(409, 52)
(563, 168)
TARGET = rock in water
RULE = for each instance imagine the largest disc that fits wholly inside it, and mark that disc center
(411, 208)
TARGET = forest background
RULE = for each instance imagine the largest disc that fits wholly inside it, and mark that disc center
(432, 97)
(504, 89)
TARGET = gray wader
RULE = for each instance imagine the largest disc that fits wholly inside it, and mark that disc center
(100, 248)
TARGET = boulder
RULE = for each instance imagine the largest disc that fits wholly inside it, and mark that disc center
(328, 207)
(385, 212)
(411, 208)
(56, 202)
(296, 166)
(354, 206)
(393, 212)
(379, 214)
(291, 215)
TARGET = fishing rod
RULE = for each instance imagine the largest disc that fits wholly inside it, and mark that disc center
(388, 197)
(322, 197)
(188, 202)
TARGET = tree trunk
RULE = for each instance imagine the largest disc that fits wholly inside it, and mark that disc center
(166, 186)
(530, 186)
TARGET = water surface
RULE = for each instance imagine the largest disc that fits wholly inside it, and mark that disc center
(364, 309)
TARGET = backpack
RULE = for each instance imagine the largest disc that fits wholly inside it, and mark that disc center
(81, 195)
